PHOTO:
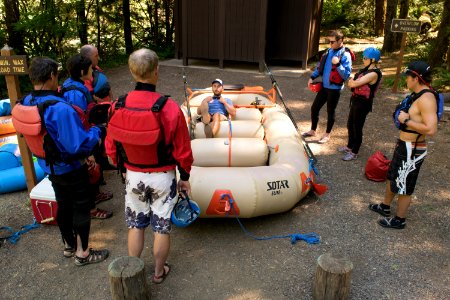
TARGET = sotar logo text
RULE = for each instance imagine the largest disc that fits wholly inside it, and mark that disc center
(276, 186)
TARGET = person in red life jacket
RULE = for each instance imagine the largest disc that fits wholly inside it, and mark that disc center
(147, 138)
(335, 67)
(364, 86)
(417, 121)
(97, 84)
(214, 109)
(71, 144)
(75, 93)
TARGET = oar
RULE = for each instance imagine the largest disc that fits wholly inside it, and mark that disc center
(186, 98)
(277, 89)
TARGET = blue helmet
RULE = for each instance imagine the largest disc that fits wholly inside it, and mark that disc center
(185, 212)
(372, 53)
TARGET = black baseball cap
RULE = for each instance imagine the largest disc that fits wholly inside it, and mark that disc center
(218, 81)
(418, 68)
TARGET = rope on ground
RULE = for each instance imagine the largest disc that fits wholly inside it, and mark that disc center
(15, 236)
(310, 238)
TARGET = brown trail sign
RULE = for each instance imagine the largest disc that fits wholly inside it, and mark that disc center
(11, 66)
(404, 26)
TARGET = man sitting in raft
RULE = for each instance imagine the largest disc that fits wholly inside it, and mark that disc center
(215, 109)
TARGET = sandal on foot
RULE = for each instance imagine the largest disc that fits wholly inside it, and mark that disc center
(103, 196)
(308, 134)
(101, 214)
(160, 279)
(69, 252)
(95, 256)
(324, 139)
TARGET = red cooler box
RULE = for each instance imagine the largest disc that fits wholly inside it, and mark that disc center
(43, 202)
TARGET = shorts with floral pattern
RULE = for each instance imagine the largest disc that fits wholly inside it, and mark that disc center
(149, 200)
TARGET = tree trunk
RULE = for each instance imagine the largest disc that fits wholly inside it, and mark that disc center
(441, 43)
(156, 21)
(168, 16)
(389, 36)
(380, 13)
(12, 16)
(127, 26)
(127, 278)
(97, 13)
(82, 21)
(404, 6)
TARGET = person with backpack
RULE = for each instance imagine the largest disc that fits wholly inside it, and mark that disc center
(75, 93)
(364, 86)
(416, 117)
(147, 139)
(61, 145)
(335, 67)
(98, 84)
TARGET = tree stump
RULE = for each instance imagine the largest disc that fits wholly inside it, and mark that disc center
(127, 278)
(333, 277)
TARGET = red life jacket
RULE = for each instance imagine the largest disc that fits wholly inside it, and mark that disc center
(137, 131)
(367, 91)
(335, 77)
(29, 121)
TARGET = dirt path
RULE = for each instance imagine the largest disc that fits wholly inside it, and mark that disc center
(213, 259)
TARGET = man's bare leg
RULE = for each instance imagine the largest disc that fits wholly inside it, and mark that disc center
(403, 203)
(215, 123)
(206, 117)
(135, 241)
(161, 247)
(388, 195)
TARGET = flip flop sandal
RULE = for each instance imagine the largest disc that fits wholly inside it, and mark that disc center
(95, 256)
(103, 196)
(160, 279)
(307, 134)
(69, 252)
(101, 214)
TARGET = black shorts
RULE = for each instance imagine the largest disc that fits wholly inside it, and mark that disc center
(405, 166)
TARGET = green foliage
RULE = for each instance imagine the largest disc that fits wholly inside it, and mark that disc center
(354, 18)
(441, 79)
(388, 82)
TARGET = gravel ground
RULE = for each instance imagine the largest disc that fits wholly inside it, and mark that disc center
(214, 259)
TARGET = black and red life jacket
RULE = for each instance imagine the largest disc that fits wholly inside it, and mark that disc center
(367, 91)
(137, 132)
(335, 77)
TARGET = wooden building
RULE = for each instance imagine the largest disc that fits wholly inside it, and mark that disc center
(247, 30)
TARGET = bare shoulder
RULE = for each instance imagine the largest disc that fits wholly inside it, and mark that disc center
(427, 101)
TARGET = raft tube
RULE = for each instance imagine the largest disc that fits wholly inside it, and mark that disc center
(12, 175)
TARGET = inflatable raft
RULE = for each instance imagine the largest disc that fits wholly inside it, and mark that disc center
(256, 165)
(12, 175)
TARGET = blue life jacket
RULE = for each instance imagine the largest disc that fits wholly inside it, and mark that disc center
(406, 103)
(76, 93)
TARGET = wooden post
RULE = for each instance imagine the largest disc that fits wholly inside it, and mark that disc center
(127, 278)
(399, 63)
(12, 83)
(333, 277)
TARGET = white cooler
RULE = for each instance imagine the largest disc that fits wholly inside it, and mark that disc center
(43, 202)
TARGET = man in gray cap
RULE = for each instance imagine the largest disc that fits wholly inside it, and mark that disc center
(416, 118)
(214, 109)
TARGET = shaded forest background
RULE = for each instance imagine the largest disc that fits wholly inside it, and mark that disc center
(57, 28)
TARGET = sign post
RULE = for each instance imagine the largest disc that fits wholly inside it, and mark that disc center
(404, 26)
(11, 66)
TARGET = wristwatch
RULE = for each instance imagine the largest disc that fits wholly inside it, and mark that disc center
(406, 121)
